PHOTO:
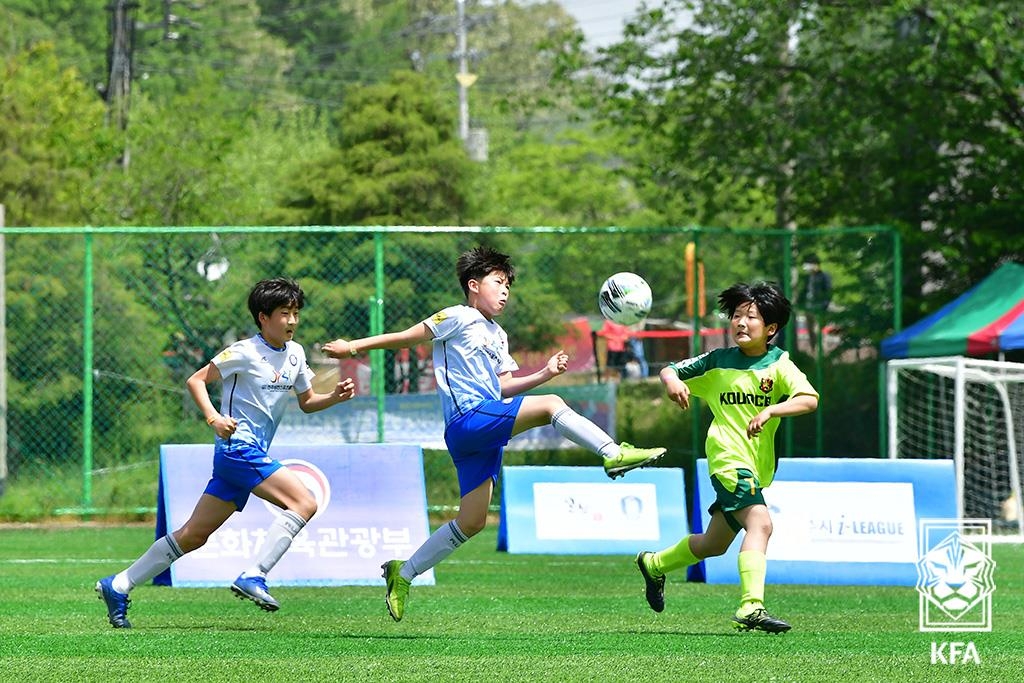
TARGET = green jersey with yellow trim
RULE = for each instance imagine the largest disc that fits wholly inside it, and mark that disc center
(737, 387)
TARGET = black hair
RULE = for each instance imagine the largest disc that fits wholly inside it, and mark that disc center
(774, 307)
(268, 295)
(479, 262)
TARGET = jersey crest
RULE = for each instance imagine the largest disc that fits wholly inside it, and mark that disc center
(767, 384)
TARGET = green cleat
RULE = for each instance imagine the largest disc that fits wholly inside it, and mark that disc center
(398, 588)
(629, 458)
(655, 585)
(760, 620)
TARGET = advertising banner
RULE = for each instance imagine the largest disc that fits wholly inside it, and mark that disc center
(578, 510)
(372, 507)
(840, 520)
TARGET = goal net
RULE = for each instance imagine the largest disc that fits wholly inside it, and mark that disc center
(970, 411)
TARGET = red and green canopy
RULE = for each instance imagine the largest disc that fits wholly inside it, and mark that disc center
(986, 319)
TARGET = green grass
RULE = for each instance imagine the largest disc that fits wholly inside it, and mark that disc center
(491, 616)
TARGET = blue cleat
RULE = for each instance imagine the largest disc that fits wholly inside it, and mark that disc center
(255, 588)
(117, 603)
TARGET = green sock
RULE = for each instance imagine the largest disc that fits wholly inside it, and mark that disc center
(672, 558)
(753, 566)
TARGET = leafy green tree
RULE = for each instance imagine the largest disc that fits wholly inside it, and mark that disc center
(53, 145)
(894, 113)
(77, 29)
(397, 161)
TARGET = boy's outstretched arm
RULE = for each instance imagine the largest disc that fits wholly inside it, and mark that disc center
(311, 402)
(513, 386)
(343, 348)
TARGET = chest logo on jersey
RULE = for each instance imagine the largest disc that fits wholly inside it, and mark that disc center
(738, 398)
(767, 384)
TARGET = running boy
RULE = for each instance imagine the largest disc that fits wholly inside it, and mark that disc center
(482, 406)
(257, 374)
(747, 387)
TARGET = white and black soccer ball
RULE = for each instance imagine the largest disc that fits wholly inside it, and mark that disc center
(625, 298)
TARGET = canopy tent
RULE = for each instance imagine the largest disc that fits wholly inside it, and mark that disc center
(988, 318)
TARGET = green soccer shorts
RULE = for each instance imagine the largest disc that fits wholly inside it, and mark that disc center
(735, 490)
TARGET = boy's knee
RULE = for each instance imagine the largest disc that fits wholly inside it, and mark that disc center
(189, 539)
(716, 550)
(306, 508)
(471, 527)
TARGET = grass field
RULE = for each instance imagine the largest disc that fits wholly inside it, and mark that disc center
(491, 616)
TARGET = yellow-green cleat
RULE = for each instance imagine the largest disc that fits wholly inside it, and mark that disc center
(629, 458)
(398, 588)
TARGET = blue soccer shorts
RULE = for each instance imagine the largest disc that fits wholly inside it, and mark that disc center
(238, 468)
(476, 440)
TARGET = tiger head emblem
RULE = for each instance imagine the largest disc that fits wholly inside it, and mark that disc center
(767, 383)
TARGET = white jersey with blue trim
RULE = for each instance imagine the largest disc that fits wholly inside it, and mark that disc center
(257, 379)
(470, 352)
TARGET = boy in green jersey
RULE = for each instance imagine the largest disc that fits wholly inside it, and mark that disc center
(747, 387)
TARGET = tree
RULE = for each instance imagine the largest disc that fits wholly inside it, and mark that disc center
(841, 113)
(53, 145)
(397, 161)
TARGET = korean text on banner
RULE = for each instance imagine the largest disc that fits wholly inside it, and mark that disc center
(372, 507)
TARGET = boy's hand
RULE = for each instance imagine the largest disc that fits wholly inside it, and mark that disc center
(676, 389)
(757, 424)
(339, 348)
(224, 426)
(558, 363)
(345, 389)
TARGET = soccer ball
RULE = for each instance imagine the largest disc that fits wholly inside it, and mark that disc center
(625, 298)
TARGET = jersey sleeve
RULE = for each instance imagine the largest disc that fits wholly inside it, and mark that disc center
(793, 381)
(230, 360)
(508, 363)
(304, 378)
(446, 323)
(694, 370)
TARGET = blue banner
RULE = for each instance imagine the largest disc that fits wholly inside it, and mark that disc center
(372, 507)
(842, 521)
(578, 510)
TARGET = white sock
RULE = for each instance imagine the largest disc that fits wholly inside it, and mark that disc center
(279, 539)
(583, 432)
(440, 545)
(159, 557)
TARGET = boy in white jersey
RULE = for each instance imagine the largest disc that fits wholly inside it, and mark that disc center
(257, 375)
(747, 387)
(483, 406)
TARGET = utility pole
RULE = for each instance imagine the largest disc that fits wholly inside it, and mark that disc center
(119, 83)
(122, 45)
(474, 140)
(464, 78)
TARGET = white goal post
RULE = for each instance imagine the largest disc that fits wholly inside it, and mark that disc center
(970, 411)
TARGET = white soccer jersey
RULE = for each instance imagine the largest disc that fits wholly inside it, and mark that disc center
(257, 379)
(470, 352)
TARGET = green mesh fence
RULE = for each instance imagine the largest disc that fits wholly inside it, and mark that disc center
(103, 325)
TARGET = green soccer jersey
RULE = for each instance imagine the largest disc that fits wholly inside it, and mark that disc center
(738, 387)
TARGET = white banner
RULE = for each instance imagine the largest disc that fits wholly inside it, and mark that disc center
(842, 521)
(583, 511)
